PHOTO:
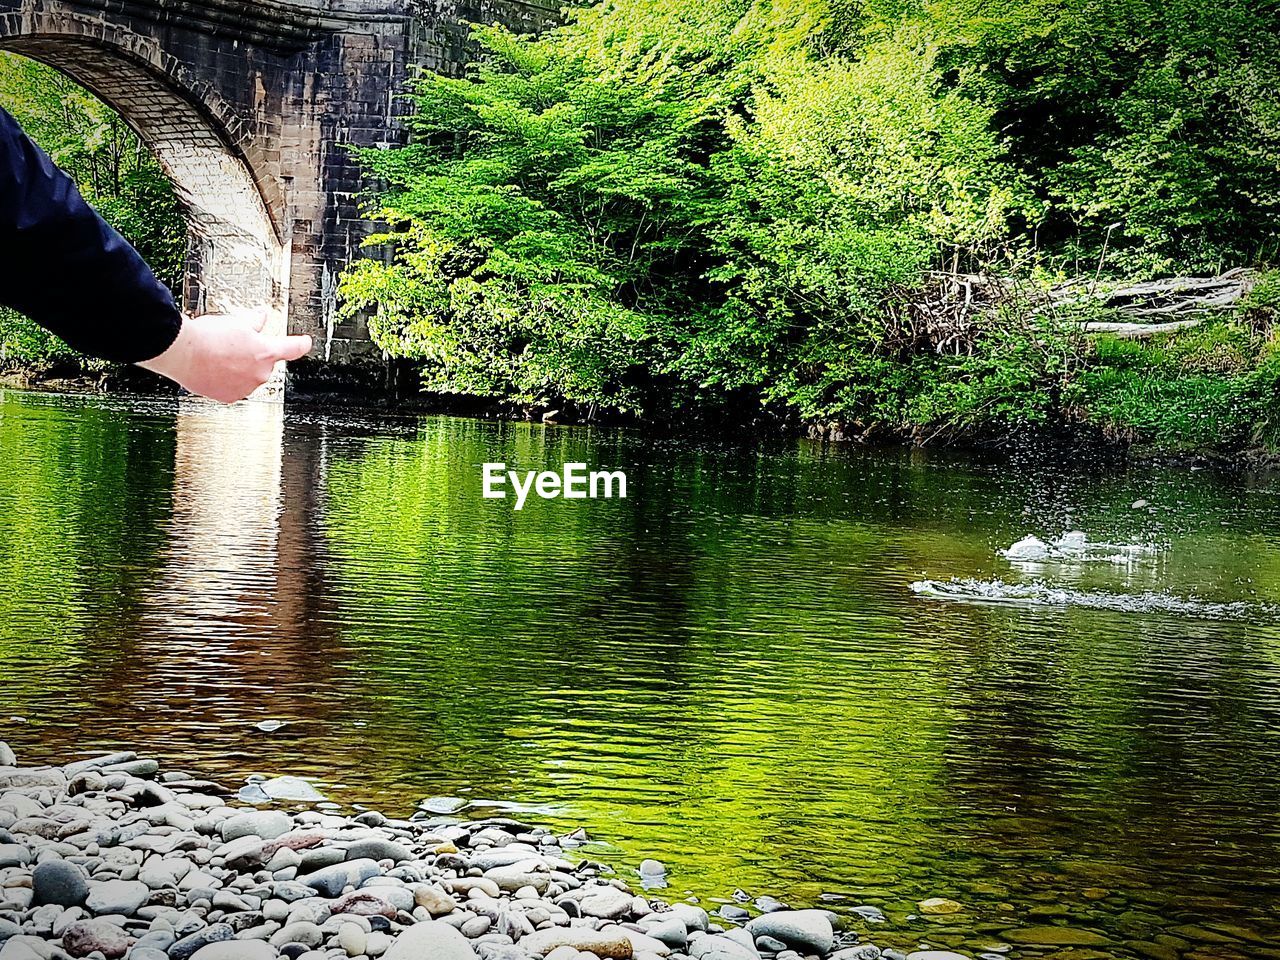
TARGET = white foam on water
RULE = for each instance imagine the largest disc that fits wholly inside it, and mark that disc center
(1039, 594)
(1074, 546)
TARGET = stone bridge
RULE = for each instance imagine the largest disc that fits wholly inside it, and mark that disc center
(251, 106)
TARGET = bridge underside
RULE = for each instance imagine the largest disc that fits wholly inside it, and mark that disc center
(251, 107)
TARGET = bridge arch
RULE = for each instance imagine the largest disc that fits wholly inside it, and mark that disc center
(238, 254)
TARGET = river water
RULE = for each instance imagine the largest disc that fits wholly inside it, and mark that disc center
(756, 668)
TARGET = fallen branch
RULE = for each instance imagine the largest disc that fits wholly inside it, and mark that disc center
(947, 314)
(1138, 331)
(1161, 299)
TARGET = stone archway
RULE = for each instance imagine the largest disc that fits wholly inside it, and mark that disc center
(253, 107)
(238, 256)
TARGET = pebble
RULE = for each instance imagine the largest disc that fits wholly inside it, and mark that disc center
(809, 931)
(96, 936)
(59, 882)
(111, 859)
(431, 940)
(353, 939)
(14, 855)
(234, 950)
(123, 897)
(611, 943)
(939, 906)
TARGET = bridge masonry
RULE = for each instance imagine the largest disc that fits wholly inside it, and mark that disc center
(253, 107)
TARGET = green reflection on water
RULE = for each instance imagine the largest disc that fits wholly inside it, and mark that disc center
(728, 670)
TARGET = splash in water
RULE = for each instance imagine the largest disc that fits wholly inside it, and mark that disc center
(1075, 546)
(1039, 594)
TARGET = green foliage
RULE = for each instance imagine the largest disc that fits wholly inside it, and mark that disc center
(1015, 378)
(544, 215)
(663, 206)
(665, 203)
(1161, 117)
(115, 172)
(1210, 388)
(23, 342)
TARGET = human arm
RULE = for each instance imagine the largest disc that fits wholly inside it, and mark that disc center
(64, 267)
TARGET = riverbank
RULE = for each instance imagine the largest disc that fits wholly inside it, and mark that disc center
(1072, 442)
(1199, 395)
(113, 857)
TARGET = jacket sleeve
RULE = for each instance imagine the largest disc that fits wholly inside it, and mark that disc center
(64, 267)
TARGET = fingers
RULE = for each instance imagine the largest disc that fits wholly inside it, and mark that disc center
(288, 348)
(258, 318)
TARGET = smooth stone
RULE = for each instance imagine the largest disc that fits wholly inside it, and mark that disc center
(236, 950)
(504, 857)
(25, 948)
(605, 903)
(329, 882)
(189, 946)
(376, 848)
(123, 897)
(611, 943)
(865, 951)
(97, 763)
(96, 936)
(939, 906)
(432, 940)
(443, 805)
(1056, 937)
(808, 931)
(464, 885)
(14, 855)
(59, 882)
(671, 932)
(434, 900)
(511, 879)
(937, 955)
(694, 918)
(352, 939)
(32, 778)
(267, 824)
(369, 902)
(252, 793)
(243, 851)
(7, 758)
(652, 868)
(304, 932)
(143, 769)
(476, 927)
(720, 947)
(644, 945)
(293, 789)
(309, 861)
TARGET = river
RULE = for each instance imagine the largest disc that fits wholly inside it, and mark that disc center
(730, 670)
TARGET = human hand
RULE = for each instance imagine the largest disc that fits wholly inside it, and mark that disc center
(226, 357)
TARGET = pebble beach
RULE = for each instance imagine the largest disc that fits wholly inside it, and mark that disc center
(113, 857)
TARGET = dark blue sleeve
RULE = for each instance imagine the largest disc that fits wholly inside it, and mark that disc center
(64, 267)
